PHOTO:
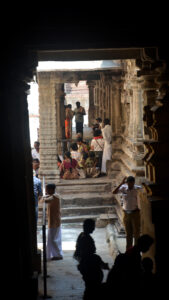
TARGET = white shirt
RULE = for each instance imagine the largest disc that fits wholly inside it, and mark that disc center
(107, 134)
(130, 197)
(35, 154)
(98, 144)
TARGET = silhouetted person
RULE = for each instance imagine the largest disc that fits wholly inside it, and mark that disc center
(118, 277)
(148, 279)
(91, 267)
(134, 255)
(85, 243)
(90, 264)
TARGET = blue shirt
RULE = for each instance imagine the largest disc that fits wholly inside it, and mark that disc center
(37, 189)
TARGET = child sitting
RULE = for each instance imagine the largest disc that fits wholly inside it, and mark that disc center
(90, 166)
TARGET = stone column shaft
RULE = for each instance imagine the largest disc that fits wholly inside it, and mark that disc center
(48, 131)
(91, 86)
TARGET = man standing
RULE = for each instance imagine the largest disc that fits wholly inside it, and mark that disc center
(107, 152)
(131, 210)
(37, 192)
(54, 243)
(79, 112)
(68, 121)
(35, 151)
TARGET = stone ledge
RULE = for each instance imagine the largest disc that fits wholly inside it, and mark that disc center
(115, 242)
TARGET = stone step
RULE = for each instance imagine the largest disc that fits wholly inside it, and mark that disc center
(80, 219)
(82, 188)
(77, 219)
(89, 199)
(79, 210)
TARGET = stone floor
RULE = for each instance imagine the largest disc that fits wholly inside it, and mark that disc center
(65, 281)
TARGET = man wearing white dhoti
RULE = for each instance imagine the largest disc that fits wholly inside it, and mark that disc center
(107, 136)
(54, 242)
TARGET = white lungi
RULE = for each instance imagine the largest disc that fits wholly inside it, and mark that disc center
(54, 243)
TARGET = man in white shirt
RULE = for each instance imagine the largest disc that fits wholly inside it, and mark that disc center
(35, 151)
(131, 210)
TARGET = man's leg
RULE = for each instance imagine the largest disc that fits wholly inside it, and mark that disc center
(54, 245)
(128, 229)
(136, 225)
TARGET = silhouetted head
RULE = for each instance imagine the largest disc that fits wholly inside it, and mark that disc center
(78, 104)
(36, 146)
(99, 120)
(79, 140)
(106, 122)
(74, 147)
(97, 132)
(147, 264)
(67, 154)
(130, 182)
(121, 262)
(144, 242)
(89, 226)
(50, 188)
(69, 106)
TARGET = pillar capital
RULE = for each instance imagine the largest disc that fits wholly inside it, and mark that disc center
(91, 83)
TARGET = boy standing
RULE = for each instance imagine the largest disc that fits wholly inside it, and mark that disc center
(131, 210)
(54, 243)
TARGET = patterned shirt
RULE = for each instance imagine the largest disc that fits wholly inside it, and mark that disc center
(37, 189)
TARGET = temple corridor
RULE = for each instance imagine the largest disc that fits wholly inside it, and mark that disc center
(133, 94)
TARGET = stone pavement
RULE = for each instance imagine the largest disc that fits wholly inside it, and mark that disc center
(65, 281)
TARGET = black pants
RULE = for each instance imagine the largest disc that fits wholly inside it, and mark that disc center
(79, 127)
(99, 155)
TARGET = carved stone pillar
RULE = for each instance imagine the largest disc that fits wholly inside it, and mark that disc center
(91, 116)
(48, 132)
(117, 106)
(59, 96)
(156, 121)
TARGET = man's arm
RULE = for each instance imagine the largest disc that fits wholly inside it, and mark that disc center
(116, 191)
(46, 199)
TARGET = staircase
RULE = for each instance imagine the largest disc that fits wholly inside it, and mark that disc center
(84, 198)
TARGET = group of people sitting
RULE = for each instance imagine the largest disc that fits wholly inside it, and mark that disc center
(79, 162)
(130, 272)
(88, 160)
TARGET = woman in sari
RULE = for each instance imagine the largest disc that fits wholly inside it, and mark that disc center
(68, 121)
(68, 168)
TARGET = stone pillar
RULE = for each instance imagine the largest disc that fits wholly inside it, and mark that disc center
(139, 106)
(137, 110)
(156, 120)
(59, 96)
(91, 116)
(48, 131)
(117, 107)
